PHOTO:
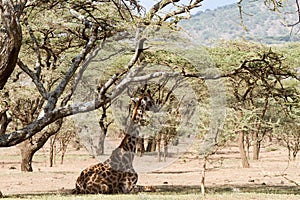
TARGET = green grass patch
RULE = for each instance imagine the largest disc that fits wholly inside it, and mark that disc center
(153, 196)
(270, 149)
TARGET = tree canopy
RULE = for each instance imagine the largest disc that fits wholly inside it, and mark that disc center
(46, 46)
(52, 42)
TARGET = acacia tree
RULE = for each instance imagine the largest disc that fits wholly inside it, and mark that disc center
(256, 87)
(65, 37)
(286, 124)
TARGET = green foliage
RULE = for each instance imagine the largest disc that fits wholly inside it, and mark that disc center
(263, 90)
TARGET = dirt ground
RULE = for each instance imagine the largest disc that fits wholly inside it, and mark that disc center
(181, 169)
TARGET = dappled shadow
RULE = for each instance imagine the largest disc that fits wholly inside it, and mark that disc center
(184, 189)
(230, 188)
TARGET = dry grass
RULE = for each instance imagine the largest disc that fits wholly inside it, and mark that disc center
(178, 180)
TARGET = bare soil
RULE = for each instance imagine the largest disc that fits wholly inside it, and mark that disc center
(180, 171)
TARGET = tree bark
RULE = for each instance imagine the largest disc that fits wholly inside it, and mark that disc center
(140, 146)
(159, 147)
(4, 121)
(63, 153)
(104, 128)
(30, 147)
(165, 141)
(203, 173)
(256, 146)
(243, 154)
(11, 39)
(100, 147)
(151, 144)
(27, 153)
(52, 151)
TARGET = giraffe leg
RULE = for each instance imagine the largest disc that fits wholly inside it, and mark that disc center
(105, 189)
(128, 182)
(141, 188)
(97, 188)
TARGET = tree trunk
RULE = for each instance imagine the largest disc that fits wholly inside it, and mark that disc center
(203, 173)
(51, 151)
(26, 156)
(296, 147)
(247, 142)
(295, 154)
(63, 153)
(165, 140)
(151, 146)
(243, 154)
(104, 128)
(289, 151)
(256, 146)
(4, 120)
(158, 147)
(100, 147)
(29, 147)
(26, 162)
(141, 146)
(11, 40)
(165, 152)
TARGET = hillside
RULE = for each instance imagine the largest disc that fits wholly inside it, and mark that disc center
(260, 24)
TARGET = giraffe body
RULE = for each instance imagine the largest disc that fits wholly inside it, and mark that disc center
(103, 179)
(116, 174)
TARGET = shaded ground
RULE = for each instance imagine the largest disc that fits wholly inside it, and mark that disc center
(272, 173)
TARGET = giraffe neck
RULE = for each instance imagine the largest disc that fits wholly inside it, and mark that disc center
(122, 157)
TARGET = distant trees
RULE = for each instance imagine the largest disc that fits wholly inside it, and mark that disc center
(263, 93)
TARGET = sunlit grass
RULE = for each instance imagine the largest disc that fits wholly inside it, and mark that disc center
(175, 196)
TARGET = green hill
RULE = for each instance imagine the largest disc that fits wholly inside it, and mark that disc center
(258, 23)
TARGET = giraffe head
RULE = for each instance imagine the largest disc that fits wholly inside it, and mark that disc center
(143, 103)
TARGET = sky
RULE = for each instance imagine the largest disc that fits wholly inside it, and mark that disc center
(207, 4)
(213, 4)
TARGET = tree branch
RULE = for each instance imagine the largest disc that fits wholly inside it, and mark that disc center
(80, 74)
(298, 12)
(31, 129)
(133, 60)
(159, 6)
(54, 95)
(38, 64)
(35, 78)
(181, 10)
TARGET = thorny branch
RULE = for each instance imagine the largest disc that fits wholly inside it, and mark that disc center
(36, 48)
(177, 13)
(298, 12)
(35, 78)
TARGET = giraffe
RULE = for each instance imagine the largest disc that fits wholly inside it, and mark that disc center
(116, 174)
